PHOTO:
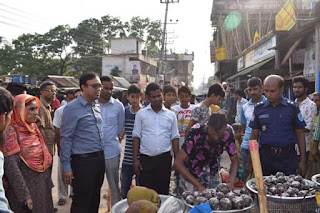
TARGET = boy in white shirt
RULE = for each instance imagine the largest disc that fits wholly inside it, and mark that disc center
(183, 111)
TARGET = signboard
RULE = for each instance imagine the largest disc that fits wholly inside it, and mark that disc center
(249, 59)
(308, 4)
(160, 79)
(180, 57)
(309, 58)
(212, 52)
(253, 5)
(135, 68)
(221, 53)
(263, 51)
(286, 18)
(240, 63)
(174, 82)
(107, 68)
(259, 54)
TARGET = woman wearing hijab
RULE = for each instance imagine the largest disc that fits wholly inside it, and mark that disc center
(27, 160)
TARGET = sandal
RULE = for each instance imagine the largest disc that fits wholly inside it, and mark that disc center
(61, 202)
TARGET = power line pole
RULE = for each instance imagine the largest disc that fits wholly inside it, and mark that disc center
(167, 2)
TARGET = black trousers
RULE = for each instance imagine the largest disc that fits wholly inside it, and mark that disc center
(272, 163)
(156, 172)
(88, 178)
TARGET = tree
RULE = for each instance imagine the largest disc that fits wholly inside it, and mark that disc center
(113, 27)
(57, 44)
(148, 30)
(115, 71)
(138, 27)
(154, 32)
(30, 57)
(74, 50)
(89, 45)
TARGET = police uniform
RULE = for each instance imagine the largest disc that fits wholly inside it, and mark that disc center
(277, 137)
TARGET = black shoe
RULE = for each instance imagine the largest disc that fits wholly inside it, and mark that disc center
(61, 202)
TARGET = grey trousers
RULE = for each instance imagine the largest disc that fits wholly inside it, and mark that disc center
(112, 173)
(62, 187)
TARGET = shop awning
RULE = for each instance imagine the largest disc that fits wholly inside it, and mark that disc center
(250, 69)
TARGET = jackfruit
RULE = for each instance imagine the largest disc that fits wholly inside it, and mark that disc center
(143, 193)
(142, 206)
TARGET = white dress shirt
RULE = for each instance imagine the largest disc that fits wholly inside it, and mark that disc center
(155, 130)
(57, 119)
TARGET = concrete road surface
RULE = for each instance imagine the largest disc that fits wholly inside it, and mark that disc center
(66, 208)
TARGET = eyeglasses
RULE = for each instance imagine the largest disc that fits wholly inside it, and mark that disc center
(95, 86)
(50, 90)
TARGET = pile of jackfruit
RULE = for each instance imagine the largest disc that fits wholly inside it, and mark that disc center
(143, 200)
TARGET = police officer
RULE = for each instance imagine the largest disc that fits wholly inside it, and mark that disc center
(278, 124)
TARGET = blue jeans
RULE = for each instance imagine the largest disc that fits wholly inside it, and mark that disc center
(126, 179)
(244, 157)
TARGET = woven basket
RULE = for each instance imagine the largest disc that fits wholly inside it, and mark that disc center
(305, 206)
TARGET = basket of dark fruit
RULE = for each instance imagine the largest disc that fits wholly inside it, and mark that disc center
(221, 199)
(287, 193)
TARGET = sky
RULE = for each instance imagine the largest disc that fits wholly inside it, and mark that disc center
(193, 28)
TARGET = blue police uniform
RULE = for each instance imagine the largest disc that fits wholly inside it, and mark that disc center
(277, 138)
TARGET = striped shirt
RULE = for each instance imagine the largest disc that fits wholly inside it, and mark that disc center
(129, 124)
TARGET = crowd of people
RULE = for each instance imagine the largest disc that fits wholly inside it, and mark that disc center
(166, 133)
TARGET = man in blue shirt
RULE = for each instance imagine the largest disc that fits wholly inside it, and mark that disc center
(255, 91)
(81, 146)
(278, 124)
(113, 117)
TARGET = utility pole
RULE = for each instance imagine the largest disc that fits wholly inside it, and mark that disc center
(167, 2)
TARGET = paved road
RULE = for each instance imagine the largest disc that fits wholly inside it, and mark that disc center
(225, 162)
(66, 208)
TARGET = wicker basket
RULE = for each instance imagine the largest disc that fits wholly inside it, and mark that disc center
(278, 204)
(305, 206)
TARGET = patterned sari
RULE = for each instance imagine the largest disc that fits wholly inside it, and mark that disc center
(26, 139)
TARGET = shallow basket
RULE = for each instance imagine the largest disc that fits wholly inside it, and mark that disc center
(277, 204)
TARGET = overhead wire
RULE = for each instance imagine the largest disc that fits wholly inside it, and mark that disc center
(78, 32)
(80, 41)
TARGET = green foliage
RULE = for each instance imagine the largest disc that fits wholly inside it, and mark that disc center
(71, 51)
(115, 71)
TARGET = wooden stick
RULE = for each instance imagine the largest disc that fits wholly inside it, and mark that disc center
(255, 158)
(248, 29)
(291, 50)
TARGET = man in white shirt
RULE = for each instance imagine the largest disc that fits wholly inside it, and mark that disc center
(57, 119)
(238, 95)
(69, 97)
(155, 134)
(307, 107)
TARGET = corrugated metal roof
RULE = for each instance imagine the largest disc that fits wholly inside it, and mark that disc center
(63, 81)
(121, 82)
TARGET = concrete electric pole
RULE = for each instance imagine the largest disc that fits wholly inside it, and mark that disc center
(167, 2)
